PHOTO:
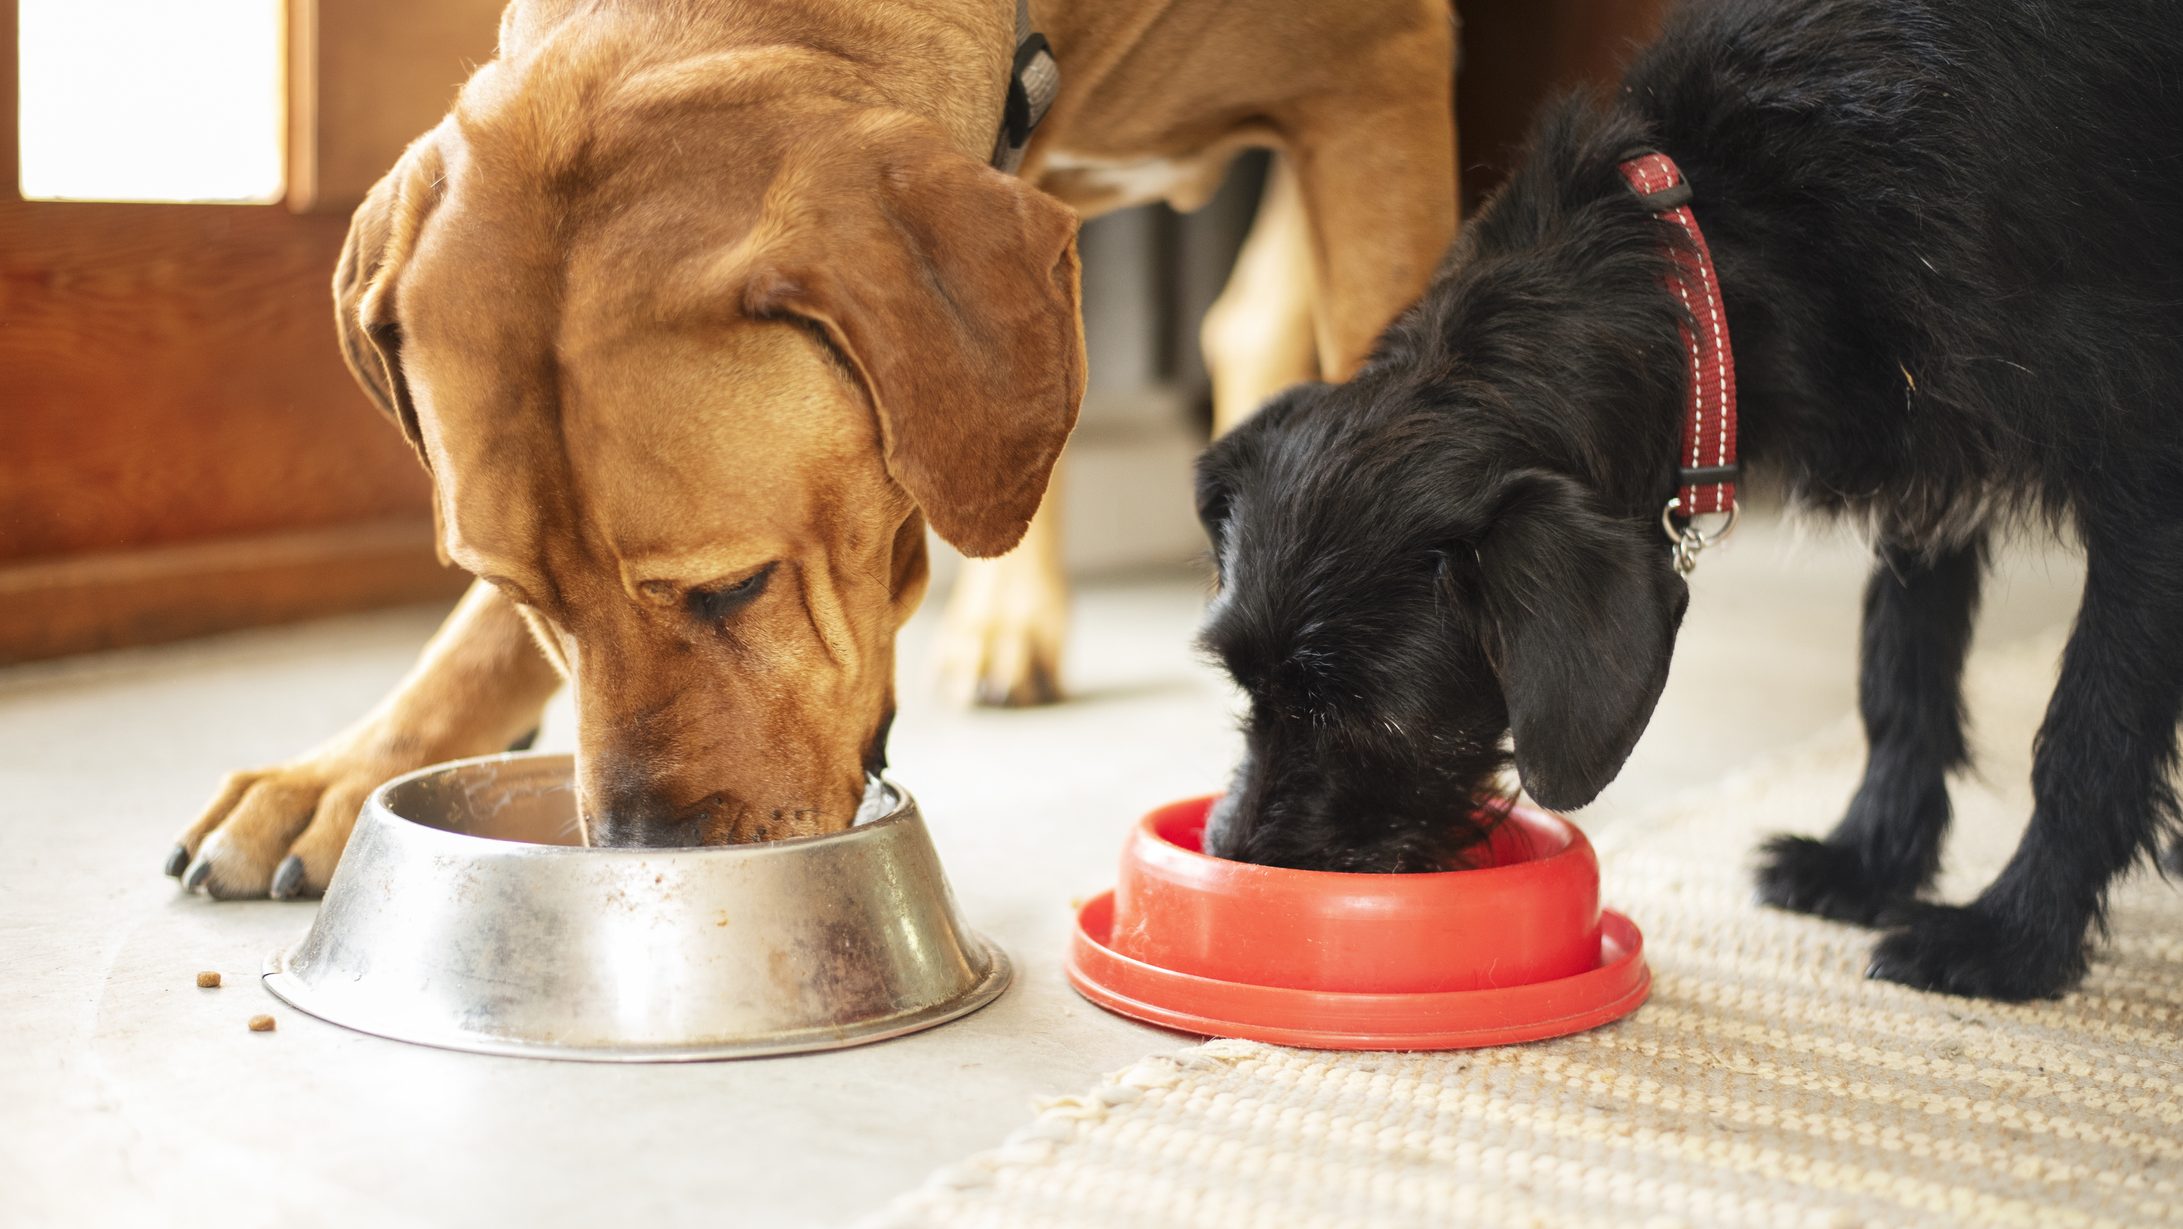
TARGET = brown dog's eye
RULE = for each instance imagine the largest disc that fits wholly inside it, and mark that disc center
(717, 603)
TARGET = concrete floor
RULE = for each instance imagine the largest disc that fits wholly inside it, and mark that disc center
(129, 1096)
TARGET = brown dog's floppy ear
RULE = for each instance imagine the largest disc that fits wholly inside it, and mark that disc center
(951, 289)
(1584, 610)
(381, 237)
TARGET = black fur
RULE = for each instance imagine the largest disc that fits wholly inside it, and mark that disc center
(1950, 238)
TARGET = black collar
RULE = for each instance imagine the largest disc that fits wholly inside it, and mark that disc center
(1032, 84)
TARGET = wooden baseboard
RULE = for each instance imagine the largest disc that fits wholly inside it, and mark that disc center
(76, 604)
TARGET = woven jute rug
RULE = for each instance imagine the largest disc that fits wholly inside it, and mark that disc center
(1767, 1083)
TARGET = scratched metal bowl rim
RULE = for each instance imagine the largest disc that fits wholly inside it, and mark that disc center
(491, 944)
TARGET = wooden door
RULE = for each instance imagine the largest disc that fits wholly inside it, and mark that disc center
(181, 449)
(1517, 54)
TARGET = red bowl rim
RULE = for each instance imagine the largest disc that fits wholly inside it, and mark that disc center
(1434, 1020)
(1159, 852)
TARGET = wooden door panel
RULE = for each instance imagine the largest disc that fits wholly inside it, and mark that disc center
(171, 374)
(181, 448)
(1517, 54)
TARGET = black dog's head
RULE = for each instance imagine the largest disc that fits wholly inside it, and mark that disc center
(1399, 592)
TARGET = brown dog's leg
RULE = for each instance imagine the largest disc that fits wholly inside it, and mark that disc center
(1258, 336)
(477, 688)
(1001, 636)
(1376, 178)
(1378, 182)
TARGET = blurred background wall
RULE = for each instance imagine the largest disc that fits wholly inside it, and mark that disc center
(181, 450)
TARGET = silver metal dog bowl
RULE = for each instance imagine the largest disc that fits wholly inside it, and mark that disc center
(468, 914)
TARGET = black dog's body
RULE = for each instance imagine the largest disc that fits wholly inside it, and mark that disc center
(1950, 243)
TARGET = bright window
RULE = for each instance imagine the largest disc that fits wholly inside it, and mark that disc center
(152, 100)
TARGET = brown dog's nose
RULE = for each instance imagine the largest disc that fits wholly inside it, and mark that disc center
(636, 815)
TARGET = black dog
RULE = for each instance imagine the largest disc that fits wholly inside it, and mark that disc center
(1950, 242)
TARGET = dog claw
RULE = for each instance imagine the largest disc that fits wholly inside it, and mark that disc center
(288, 879)
(177, 862)
(197, 875)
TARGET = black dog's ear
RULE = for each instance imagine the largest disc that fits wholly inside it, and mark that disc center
(1583, 611)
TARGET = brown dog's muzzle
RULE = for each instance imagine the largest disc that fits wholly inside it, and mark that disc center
(632, 812)
(627, 801)
(682, 743)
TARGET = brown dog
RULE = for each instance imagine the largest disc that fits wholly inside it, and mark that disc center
(699, 312)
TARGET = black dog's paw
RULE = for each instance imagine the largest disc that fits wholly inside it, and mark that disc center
(1977, 953)
(1802, 875)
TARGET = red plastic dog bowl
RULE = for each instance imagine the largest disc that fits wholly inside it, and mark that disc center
(1516, 950)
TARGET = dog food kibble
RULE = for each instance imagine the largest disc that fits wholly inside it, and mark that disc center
(208, 981)
(261, 1024)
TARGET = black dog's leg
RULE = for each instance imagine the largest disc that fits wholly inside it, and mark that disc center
(2100, 789)
(1884, 852)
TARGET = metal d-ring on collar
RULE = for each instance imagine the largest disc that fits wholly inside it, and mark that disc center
(1033, 81)
(1689, 539)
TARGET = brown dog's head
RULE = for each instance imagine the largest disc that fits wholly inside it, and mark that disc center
(692, 357)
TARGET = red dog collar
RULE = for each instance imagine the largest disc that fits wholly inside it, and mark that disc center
(1707, 474)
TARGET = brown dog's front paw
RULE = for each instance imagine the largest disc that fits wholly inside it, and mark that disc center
(279, 831)
(1000, 641)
